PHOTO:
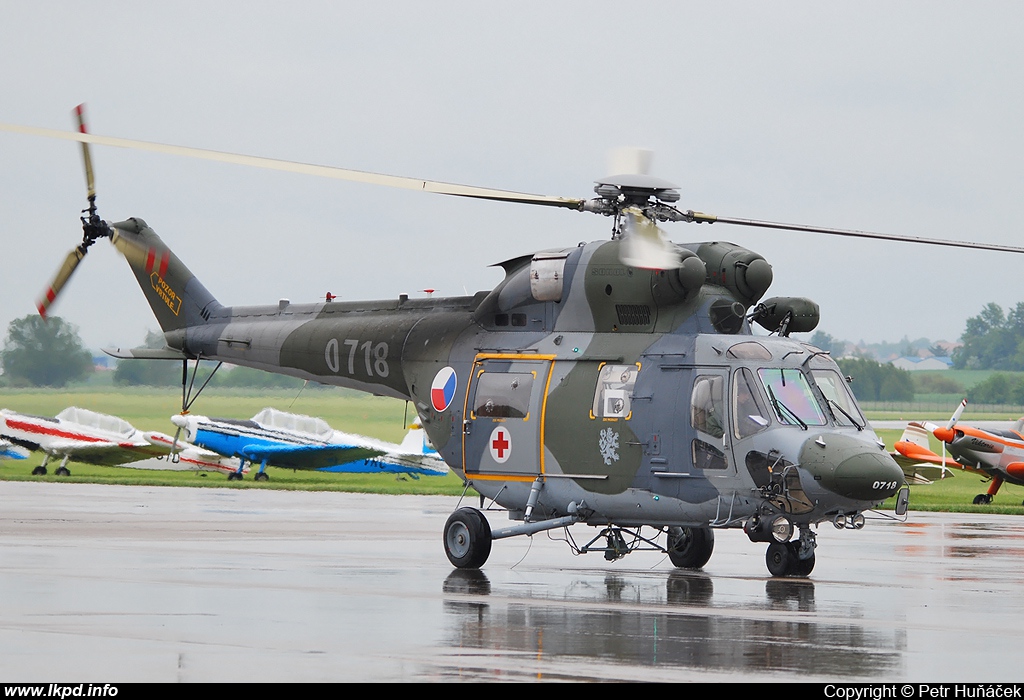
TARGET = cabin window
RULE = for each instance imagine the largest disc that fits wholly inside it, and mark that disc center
(749, 414)
(707, 456)
(503, 395)
(790, 397)
(707, 405)
(614, 395)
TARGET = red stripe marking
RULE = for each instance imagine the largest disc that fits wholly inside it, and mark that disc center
(150, 258)
(50, 295)
(164, 260)
(81, 122)
(46, 430)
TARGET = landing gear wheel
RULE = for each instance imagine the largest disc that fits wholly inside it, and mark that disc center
(982, 499)
(783, 559)
(800, 567)
(234, 476)
(779, 558)
(690, 547)
(467, 538)
(63, 471)
(261, 476)
(39, 471)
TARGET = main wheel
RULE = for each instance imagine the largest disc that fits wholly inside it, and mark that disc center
(63, 471)
(982, 499)
(261, 476)
(39, 471)
(690, 547)
(467, 538)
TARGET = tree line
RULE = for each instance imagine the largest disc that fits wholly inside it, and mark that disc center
(49, 353)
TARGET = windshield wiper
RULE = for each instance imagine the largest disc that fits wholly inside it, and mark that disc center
(779, 406)
(852, 419)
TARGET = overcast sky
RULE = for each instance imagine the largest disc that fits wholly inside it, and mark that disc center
(904, 118)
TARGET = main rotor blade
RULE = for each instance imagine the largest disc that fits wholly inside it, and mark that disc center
(328, 171)
(700, 218)
(60, 279)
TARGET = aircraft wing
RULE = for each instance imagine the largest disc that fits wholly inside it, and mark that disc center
(924, 472)
(429, 465)
(108, 454)
(307, 456)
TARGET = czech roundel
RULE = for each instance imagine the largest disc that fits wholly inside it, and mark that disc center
(442, 391)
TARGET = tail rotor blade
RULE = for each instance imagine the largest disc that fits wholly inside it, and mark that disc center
(93, 228)
(68, 267)
(90, 181)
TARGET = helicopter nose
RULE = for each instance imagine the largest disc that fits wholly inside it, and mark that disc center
(851, 468)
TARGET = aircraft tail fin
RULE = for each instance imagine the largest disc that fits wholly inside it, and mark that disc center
(416, 442)
(177, 298)
(916, 434)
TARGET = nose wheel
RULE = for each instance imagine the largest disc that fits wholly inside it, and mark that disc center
(793, 559)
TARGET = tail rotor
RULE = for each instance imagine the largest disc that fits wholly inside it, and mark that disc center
(93, 228)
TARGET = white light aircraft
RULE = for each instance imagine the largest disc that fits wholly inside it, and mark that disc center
(80, 435)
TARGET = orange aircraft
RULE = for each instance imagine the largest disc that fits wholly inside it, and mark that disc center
(998, 454)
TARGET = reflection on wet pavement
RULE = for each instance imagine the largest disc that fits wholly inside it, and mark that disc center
(142, 584)
(665, 620)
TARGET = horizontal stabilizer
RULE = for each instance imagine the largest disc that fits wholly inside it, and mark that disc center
(146, 353)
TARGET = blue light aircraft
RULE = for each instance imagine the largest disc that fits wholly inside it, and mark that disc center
(292, 441)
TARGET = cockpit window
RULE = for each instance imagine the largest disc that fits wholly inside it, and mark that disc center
(791, 398)
(833, 386)
(749, 414)
(707, 405)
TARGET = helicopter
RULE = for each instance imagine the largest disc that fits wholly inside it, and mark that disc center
(616, 384)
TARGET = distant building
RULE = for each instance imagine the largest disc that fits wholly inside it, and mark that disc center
(913, 364)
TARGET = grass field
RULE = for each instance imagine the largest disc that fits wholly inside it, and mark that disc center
(150, 409)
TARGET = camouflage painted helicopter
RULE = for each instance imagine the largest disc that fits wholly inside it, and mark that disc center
(615, 384)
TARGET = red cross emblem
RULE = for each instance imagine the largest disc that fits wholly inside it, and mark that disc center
(501, 445)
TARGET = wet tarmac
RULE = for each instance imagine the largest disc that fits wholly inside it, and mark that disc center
(119, 584)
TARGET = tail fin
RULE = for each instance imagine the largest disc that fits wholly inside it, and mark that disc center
(916, 434)
(177, 298)
(416, 442)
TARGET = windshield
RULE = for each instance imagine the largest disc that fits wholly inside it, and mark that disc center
(833, 386)
(791, 397)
